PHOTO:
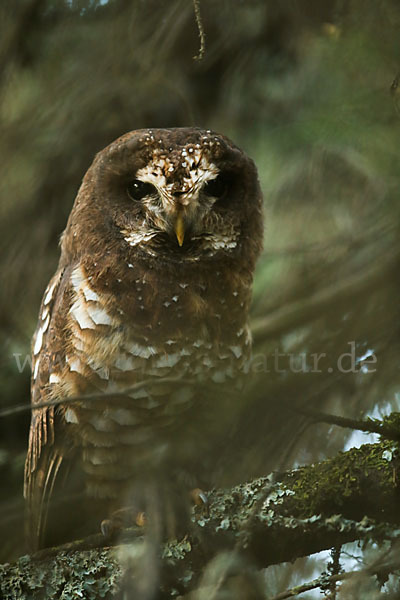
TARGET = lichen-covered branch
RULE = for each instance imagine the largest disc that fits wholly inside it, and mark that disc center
(352, 496)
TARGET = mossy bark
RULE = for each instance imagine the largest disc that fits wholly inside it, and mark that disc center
(269, 520)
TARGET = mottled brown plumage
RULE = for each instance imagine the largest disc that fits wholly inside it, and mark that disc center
(154, 282)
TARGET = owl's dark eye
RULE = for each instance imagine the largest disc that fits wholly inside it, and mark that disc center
(217, 187)
(139, 189)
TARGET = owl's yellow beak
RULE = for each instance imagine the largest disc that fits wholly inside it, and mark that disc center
(180, 229)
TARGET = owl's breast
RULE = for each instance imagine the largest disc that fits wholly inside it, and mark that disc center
(109, 346)
(141, 385)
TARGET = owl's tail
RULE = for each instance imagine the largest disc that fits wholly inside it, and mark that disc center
(42, 465)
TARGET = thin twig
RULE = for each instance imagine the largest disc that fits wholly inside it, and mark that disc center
(334, 568)
(324, 580)
(12, 410)
(96, 540)
(312, 585)
(368, 426)
(200, 27)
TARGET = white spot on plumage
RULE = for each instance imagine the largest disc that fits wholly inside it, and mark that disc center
(236, 350)
(98, 315)
(152, 402)
(207, 362)
(70, 416)
(218, 377)
(77, 278)
(138, 394)
(49, 293)
(168, 360)
(74, 364)
(78, 343)
(54, 378)
(154, 172)
(222, 242)
(79, 311)
(36, 369)
(38, 342)
(90, 294)
(122, 416)
(101, 371)
(134, 238)
(139, 350)
(96, 458)
(125, 363)
(45, 324)
(101, 424)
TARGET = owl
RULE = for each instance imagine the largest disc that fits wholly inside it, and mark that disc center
(149, 305)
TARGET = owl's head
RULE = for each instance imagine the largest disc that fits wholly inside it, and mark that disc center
(181, 194)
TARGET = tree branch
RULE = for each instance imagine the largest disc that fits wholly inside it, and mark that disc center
(307, 510)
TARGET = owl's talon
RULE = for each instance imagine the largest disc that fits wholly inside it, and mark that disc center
(141, 519)
(198, 497)
(108, 528)
(120, 519)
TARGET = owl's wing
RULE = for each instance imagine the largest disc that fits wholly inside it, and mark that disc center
(45, 449)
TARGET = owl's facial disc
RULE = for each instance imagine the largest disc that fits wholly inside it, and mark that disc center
(182, 212)
(180, 197)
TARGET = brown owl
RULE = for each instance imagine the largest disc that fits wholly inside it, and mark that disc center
(149, 304)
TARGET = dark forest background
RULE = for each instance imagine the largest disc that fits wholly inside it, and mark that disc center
(308, 89)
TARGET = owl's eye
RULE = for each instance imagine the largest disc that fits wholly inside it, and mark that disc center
(216, 188)
(139, 189)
